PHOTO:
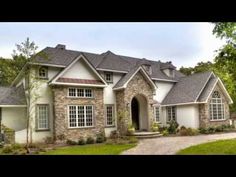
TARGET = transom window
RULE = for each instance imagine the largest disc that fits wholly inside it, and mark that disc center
(42, 117)
(171, 113)
(216, 107)
(108, 77)
(157, 114)
(81, 92)
(80, 116)
(43, 72)
(110, 115)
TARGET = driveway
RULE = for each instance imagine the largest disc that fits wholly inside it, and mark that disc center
(170, 145)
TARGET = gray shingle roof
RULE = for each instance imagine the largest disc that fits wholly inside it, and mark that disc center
(12, 96)
(187, 89)
(107, 60)
(207, 90)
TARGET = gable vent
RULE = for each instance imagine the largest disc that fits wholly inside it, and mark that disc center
(60, 46)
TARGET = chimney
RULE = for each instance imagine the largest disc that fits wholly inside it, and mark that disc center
(60, 46)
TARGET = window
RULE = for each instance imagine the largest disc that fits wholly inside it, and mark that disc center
(171, 113)
(80, 116)
(157, 114)
(110, 115)
(43, 72)
(81, 93)
(216, 107)
(108, 77)
(42, 117)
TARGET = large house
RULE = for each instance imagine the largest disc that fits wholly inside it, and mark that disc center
(73, 94)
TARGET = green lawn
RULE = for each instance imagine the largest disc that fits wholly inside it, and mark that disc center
(95, 149)
(221, 147)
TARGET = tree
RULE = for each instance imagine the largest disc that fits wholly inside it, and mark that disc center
(200, 67)
(26, 52)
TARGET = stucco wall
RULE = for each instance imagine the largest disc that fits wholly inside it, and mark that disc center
(188, 116)
(14, 118)
(163, 89)
(80, 70)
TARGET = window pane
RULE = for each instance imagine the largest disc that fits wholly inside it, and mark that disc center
(108, 77)
(81, 122)
(42, 117)
(109, 115)
(157, 114)
(80, 92)
(88, 93)
(72, 116)
(42, 72)
(89, 116)
(72, 92)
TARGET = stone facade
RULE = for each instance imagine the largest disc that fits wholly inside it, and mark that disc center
(137, 86)
(204, 114)
(61, 102)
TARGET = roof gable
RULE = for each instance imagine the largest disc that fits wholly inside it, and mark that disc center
(68, 76)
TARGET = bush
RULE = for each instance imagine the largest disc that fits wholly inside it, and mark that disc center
(70, 142)
(155, 127)
(100, 138)
(90, 140)
(14, 149)
(7, 149)
(81, 141)
(173, 125)
(133, 139)
(61, 137)
(114, 134)
(165, 133)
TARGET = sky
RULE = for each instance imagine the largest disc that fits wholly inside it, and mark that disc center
(185, 44)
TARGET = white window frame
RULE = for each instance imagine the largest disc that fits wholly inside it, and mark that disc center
(171, 113)
(47, 118)
(216, 103)
(155, 114)
(45, 70)
(76, 92)
(111, 77)
(85, 117)
(113, 115)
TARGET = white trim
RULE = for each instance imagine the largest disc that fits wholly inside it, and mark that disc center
(45, 64)
(155, 118)
(113, 115)
(227, 94)
(54, 81)
(165, 80)
(74, 84)
(111, 70)
(183, 104)
(10, 106)
(76, 92)
(203, 87)
(18, 76)
(146, 75)
(213, 88)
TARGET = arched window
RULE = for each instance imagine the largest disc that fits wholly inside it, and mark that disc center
(217, 108)
(43, 72)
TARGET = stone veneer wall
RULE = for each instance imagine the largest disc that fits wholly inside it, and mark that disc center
(137, 86)
(204, 114)
(61, 102)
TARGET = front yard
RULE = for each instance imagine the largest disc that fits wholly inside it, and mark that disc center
(96, 149)
(221, 147)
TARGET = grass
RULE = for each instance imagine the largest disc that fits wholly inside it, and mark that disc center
(95, 149)
(221, 147)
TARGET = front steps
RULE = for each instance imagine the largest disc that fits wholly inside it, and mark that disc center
(146, 135)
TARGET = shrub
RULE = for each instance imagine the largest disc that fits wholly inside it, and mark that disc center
(90, 140)
(165, 133)
(202, 130)
(100, 138)
(210, 130)
(7, 149)
(173, 125)
(133, 139)
(114, 134)
(49, 140)
(81, 141)
(61, 137)
(155, 127)
(71, 142)
(219, 129)
(14, 149)
(161, 129)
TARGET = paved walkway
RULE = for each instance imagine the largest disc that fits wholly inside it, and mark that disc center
(170, 145)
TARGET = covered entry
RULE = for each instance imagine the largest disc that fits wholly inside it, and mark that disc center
(139, 113)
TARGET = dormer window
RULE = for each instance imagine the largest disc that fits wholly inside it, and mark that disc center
(43, 72)
(169, 72)
(108, 77)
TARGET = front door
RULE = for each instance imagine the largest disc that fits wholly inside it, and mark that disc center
(135, 113)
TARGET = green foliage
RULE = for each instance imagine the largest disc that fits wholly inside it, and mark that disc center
(173, 125)
(14, 149)
(114, 134)
(49, 140)
(100, 138)
(220, 128)
(200, 67)
(90, 140)
(71, 142)
(81, 141)
(183, 131)
(165, 132)
(155, 127)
